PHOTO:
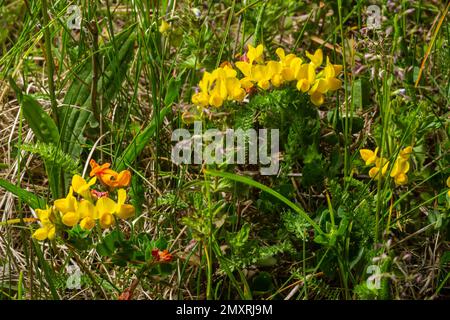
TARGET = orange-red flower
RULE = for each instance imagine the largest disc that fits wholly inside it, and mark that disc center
(108, 176)
(163, 256)
(98, 170)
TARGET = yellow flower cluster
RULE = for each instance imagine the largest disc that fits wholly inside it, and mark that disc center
(90, 206)
(448, 185)
(218, 86)
(222, 84)
(399, 170)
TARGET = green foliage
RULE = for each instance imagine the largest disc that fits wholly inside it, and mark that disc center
(75, 114)
(39, 121)
(53, 156)
(31, 199)
(317, 226)
(46, 131)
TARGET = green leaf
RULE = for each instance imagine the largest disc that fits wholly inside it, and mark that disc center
(173, 91)
(240, 238)
(357, 94)
(46, 131)
(29, 198)
(109, 244)
(43, 126)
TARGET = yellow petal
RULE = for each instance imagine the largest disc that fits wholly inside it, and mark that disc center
(78, 182)
(125, 211)
(51, 232)
(317, 98)
(288, 74)
(334, 84)
(264, 84)
(255, 54)
(273, 68)
(106, 220)
(87, 209)
(280, 53)
(44, 215)
(277, 80)
(87, 223)
(405, 153)
(216, 100)
(70, 219)
(303, 85)
(67, 204)
(246, 83)
(121, 196)
(337, 69)
(448, 181)
(260, 73)
(328, 71)
(245, 68)
(317, 58)
(385, 168)
(373, 173)
(238, 94)
(395, 169)
(368, 156)
(105, 205)
(229, 72)
(401, 179)
(321, 85)
(405, 167)
(311, 73)
(40, 234)
(164, 27)
(200, 99)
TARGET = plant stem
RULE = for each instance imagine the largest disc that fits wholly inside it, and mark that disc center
(49, 62)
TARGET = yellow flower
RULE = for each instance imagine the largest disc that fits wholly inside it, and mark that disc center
(122, 210)
(81, 187)
(326, 81)
(259, 74)
(369, 156)
(317, 58)
(219, 86)
(235, 92)
(47, 230)
(405, 153)
(105, 208)
(380, 163)
(401, 167)
(255, 54)
(448, 185)
(68, 204)
(305, 76)
(262, 75)
(70, 218)
(288, 63)
(164, 27)
(88, 214)
(246, 68)
(68, 208)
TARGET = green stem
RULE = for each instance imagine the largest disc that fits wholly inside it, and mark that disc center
(49, 62)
